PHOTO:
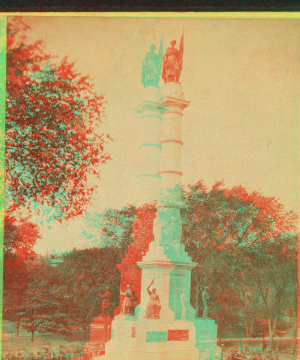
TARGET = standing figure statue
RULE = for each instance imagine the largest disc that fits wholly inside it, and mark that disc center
(151, 67)
(172, 63)
(183, 300)
(153, 307)
(106, 302)
(129, 301)
(206, 303)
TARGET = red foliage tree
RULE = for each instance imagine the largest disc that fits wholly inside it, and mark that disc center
(54, 135)
(19, 240)
(246, 237)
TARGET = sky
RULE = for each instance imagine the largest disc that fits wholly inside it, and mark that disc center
(241, 77)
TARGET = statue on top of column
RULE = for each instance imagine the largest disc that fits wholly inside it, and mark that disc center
(151, 67)
(172, 62)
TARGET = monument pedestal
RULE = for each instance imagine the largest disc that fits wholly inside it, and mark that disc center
(172, 335)
(150, 339)
(206, 339)
(100, 332)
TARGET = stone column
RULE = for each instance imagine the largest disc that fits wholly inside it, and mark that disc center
(170, 172)
(150, 112)
(170, 136)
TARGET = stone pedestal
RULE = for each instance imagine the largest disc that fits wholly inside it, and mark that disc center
(100, 332)
(206, 339)
(152, 339)
(172, 335)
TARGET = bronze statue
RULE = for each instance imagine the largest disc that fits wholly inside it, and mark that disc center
(129, 302)
(151, 68)
(206, 303)
(172, 62)
(153, 307)
(183, 301)
(106, 302)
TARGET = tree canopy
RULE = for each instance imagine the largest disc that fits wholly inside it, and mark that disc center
(54, 128)
(244, 244)
(19, 240)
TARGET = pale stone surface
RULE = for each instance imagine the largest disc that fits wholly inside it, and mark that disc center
(206, 339)
(153, 94)
(142, 347)
(173, 89)
(148, 152)
(170, 136)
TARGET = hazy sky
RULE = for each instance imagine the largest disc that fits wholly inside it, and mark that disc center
(241, 77)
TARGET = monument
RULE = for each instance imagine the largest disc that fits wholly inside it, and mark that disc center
(158, 322)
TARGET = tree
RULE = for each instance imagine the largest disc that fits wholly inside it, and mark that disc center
(226, 225)
(54, 134)
(113, 228)
(271, 267)
(209, 219)
(19, 239)
(41, 312)
(80, 278)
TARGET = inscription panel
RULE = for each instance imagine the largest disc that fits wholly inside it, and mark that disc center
(178, 335)
(156, 336)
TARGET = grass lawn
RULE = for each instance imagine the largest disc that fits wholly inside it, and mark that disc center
(23, 341)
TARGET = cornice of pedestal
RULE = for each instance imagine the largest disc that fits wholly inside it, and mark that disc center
(126, 266)
(150, 106)
(166, 264)
(159, 264)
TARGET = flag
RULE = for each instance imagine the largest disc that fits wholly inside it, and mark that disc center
(160, 53)
(181, 46)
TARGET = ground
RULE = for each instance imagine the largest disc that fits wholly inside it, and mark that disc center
(23, 342)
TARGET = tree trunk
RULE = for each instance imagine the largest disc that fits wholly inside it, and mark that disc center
(272, 328)
(246, 327)
(32, 337)
(295, 340)
(197, 296)
(263, 344)
(251, 328)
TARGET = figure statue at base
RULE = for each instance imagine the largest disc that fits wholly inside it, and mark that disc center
(206, 303)
(129, 302)
(153, 307)
(106, 302)
(183, 300)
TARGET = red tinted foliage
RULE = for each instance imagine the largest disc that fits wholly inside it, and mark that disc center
(54, 135)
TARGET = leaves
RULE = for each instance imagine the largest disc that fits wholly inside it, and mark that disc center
(54, 135)
(19, 240)
(243, 243)
(112, 228)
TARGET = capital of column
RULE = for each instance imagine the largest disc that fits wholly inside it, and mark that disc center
(151, 108)
(175, 105)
